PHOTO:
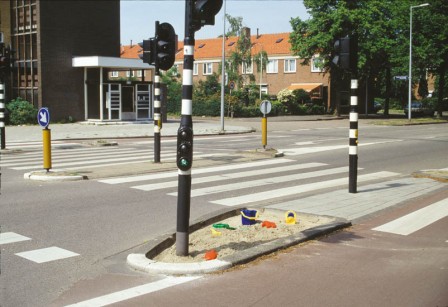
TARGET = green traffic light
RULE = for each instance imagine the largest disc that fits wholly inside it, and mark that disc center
(183, 162)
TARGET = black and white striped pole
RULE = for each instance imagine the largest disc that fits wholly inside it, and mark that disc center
(197, 14)
(160, 51)
(157, 107)
(353, 142)
(353, 134)
(2, 116)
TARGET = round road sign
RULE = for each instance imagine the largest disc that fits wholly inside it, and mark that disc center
(43, 117)
(265, 107)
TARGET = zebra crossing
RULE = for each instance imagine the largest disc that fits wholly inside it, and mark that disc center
(250, 183)
(79, 157)
(41, 255)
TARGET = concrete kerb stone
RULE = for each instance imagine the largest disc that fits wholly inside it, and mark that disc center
(144, 262)
(54, 175)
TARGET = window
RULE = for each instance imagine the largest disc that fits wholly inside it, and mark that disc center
(114, 74)
(247, 68)
(272, 67)
(316, 64)
(290, 65)
(139, 73)
(130, 74)
(195, 69)
(208, 69)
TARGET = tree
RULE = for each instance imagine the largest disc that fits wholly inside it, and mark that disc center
(235, 25)
(377, 23)
(430, 44)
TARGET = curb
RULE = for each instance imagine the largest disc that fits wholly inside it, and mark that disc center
(53, 175)
(142, 262)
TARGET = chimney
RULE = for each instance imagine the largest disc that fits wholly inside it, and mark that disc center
(258, 35)
(131, 43)
(245, 32)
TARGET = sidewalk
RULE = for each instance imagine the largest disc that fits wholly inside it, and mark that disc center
(112, 130)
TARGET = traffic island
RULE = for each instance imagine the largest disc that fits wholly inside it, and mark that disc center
(54, 175)
(229, 243)
(267, 152)
(435, 174)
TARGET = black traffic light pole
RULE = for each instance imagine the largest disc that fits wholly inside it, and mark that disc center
(157, 115)
(197, 14)
(185, 138)
(160, 51)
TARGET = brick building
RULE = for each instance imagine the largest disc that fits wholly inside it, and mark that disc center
(46, 35)
(283, 70)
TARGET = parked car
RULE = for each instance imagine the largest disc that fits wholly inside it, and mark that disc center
(419, 109)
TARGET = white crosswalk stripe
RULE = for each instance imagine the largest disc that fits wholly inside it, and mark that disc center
(262, 182)
(240, 180)
(79, 158)
(164, 185)
(416, 220)
(296, 190)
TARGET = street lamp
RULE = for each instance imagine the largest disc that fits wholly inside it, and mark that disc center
(410, 57)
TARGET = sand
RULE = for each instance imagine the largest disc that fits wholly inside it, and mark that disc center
(243, 237)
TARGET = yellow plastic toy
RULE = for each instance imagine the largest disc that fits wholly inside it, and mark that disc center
(215, 233)
(290, 217)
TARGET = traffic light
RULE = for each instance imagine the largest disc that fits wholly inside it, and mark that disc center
(342, 53)
(166, 45)
(149, 52)
(184, 148)
(204, 12)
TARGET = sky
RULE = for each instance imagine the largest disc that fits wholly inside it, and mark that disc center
(138, 17)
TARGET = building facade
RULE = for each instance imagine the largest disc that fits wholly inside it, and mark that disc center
(283, 70)
(45, 36)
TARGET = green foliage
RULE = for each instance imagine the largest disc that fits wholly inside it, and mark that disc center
(174, 89)
(21, 112)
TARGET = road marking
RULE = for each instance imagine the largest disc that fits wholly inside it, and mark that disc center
(11, 237)
(271, 194)
(228, 176)
(307, 150)
(130, 293)
(263, 182)
(47, 254)
(225, 167)
(416, 220)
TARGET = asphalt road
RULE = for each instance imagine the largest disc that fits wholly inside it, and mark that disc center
(103, 223)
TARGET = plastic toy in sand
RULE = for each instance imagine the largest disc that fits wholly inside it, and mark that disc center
(268, 224)
(215, 233)
(249, 217)
(210, 255)
(221, 225)
(290, 217)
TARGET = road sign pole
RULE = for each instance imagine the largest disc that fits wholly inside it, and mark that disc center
(46, 146)
(264, 131)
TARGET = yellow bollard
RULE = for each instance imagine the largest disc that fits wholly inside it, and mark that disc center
(46, 145)
(264, 131)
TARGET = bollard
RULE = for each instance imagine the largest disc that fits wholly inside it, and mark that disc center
(264, 131)
(46, 145)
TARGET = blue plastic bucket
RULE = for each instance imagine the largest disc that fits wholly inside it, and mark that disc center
(248, 217)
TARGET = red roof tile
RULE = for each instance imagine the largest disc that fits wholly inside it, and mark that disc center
(273, 44)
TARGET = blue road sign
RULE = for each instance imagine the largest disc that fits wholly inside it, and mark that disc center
(43, 117)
